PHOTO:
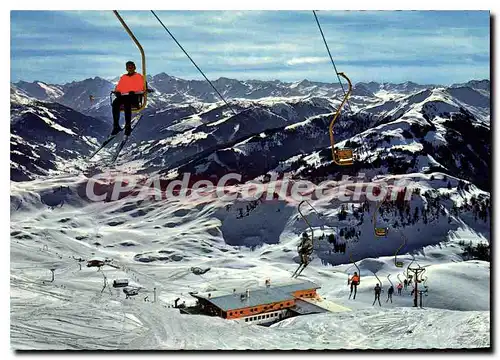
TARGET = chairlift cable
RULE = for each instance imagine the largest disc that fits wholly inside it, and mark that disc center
(189, 57)
(331, 58)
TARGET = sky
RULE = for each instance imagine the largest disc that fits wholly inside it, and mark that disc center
(426, 47)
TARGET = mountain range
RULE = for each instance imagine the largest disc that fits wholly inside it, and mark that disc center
(268, 126)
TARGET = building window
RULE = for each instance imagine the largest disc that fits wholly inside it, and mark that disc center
(281, 305)
(241, 312)
(230, 313)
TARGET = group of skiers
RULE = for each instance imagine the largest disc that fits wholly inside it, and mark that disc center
(354, 282)
(377, 289)
(305, 249)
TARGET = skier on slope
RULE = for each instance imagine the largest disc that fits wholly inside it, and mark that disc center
(127, 91)
(389, 293)
(354, 281)
(377, 289)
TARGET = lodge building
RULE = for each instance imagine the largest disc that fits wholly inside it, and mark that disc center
(263, 305)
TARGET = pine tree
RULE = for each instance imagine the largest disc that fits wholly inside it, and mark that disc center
(331, 239)
(415, 214)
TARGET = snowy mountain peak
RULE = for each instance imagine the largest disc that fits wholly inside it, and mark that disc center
(41, 90)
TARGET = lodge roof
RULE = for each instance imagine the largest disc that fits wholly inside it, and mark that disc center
(260, 296)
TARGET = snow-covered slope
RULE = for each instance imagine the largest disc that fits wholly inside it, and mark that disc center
(435, 139)
(428, 131)
(44, 135)
(156, 243)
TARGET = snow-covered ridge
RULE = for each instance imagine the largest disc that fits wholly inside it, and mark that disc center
(170, 89)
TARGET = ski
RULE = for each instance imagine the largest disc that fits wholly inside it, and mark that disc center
(120, 147)
(103, 145)
(124, 140)
(296, 271)
(297, 274)
(299, 270)
(112, 137)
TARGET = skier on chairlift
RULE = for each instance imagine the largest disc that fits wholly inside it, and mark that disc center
(390, 291)
(127, 92)
(354, 281)
(377, 289)
(305, 248)
(400, 287)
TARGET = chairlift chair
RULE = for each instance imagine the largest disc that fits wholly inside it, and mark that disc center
(343, 156)
(381, 231)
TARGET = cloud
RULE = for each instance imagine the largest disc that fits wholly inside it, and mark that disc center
(307, 60)
(395, 74)
(279, 43)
